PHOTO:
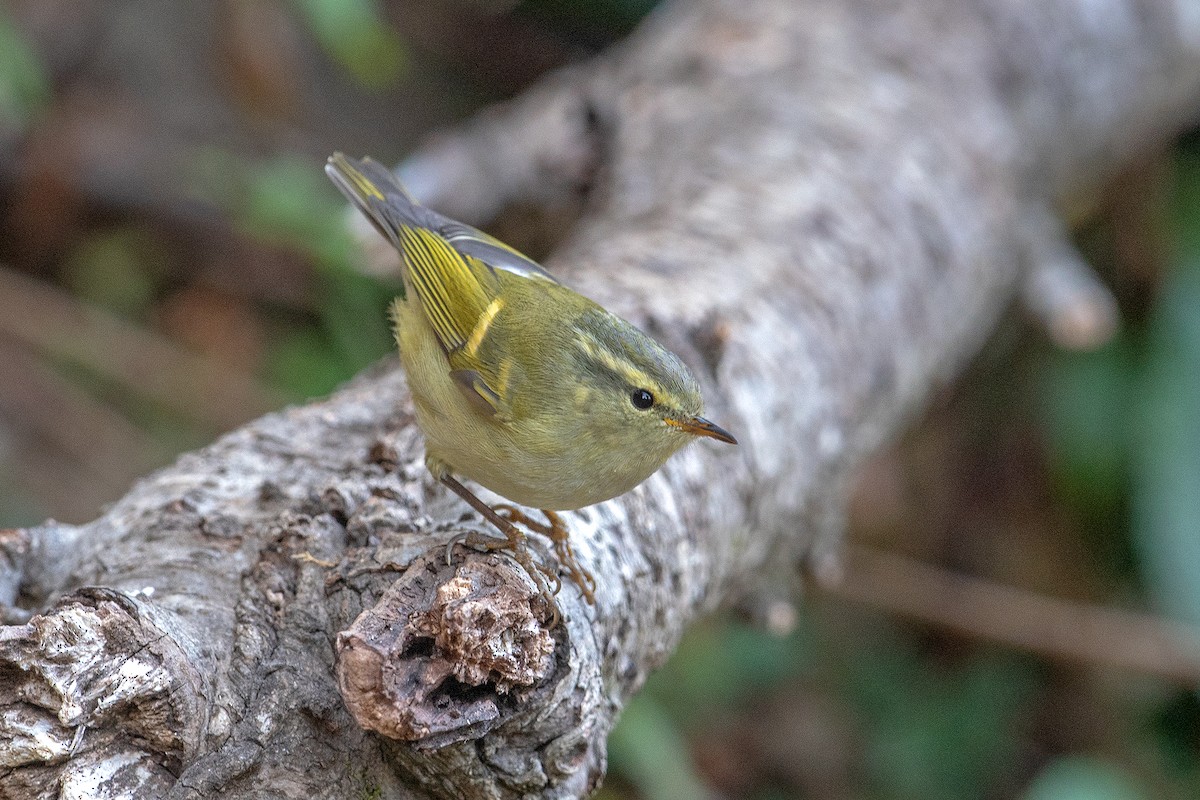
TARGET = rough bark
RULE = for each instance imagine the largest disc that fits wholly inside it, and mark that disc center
(823, 206)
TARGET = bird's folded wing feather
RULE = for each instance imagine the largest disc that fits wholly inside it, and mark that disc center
(459, 295)
(452, 268)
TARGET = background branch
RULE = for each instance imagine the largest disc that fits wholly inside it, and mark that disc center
(1021, 619)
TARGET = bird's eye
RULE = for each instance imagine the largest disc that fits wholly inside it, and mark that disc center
(641, 398)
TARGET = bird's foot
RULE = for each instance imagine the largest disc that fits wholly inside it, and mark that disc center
(558, 535)
(516, 545)
(514, 542)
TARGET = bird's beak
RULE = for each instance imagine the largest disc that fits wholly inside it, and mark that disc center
(699, 426)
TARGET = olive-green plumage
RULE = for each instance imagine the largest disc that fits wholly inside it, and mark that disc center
(520, 383)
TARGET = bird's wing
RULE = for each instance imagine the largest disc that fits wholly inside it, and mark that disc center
(376, 192)
(456, 287)
(490, 250)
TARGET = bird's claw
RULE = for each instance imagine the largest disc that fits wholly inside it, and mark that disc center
(516, 546)
(504, 517)
(559, 537)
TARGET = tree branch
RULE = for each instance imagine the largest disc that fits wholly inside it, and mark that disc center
(1045, 625)
(822, 206)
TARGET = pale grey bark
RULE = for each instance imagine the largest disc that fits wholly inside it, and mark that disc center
(822, 206)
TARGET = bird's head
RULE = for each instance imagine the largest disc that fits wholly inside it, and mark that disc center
(636, 397)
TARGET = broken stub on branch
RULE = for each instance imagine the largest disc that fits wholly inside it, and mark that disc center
(435, 663)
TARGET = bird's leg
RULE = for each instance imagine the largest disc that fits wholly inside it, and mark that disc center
(514, 514)
(514, 542)
(566, 556)
(556, 532)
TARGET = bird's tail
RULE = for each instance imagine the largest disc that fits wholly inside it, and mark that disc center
(375, 191)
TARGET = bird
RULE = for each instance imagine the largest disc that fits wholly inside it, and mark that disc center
(519, 383)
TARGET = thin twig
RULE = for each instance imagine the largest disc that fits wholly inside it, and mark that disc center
(1047, 626)
(72, 451)
(1063, 291)
(52, 321)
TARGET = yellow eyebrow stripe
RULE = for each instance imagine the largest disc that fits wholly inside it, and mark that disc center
(481, 327)
(600, 354)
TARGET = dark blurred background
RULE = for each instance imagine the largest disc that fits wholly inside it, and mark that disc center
(173, 263)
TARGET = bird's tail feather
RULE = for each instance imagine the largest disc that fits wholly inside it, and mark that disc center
(376, 192)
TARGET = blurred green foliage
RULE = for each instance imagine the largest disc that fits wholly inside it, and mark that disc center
(650, 750)
(1123, 422)
(928, 731)
(354, 33)
(24, 86)
(1083, 778)
(1087, 401)
(120, 269)
(1166, 420)
(934, 733)
(290, 203)
(717, 668)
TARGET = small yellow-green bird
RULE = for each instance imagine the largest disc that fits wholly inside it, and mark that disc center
(521, 384)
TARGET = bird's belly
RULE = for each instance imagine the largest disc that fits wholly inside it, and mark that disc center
(484, 449)
(488, 454)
